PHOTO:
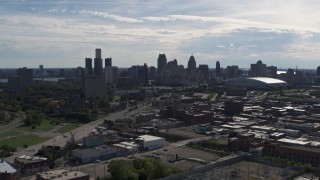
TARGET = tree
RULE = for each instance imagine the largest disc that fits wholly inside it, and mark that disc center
(120, 169)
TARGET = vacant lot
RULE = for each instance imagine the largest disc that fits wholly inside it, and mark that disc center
(191, 158)
(20, 141)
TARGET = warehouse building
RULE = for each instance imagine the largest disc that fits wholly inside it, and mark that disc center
(148, 142)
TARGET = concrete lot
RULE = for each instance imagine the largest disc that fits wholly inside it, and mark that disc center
(183, 131)
(247, 170)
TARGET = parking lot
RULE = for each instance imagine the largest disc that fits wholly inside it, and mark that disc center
(247, 170)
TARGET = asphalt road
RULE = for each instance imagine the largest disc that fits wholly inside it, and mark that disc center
(79, 133)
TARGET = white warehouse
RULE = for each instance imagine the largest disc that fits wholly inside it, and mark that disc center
(148, 142)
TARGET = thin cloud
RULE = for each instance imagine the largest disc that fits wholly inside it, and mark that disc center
(109, 16)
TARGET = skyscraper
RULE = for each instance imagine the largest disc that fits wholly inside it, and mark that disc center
(26, 76)
(162, 63)
(41, 71)
(108, 62)
(146, 73)
(98, 66)
(89, 65)
(204, 69)
(318, 71)
(192, 63)
(258, 69)
(23, 79)
(218, 69)
(98, 63)
(172, 64)
(98, 53)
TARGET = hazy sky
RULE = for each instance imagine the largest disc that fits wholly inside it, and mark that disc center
(285, 33)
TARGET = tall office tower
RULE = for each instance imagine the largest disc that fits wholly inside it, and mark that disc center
(108, 62)
(152, 72)
(146, 73)
(98, 63)
(108, 73)
(78, 72)
(98, 66)
(289, 74)
(94, 87)
(23, 79)
(115, 74)
(172, 64)
(271, 71)
(89, 65)
(41, 72)
(318, 71)
(192, 65)
(98, 53)
(204, 69)
(162, 63)
(26, 76)
(232, 72)
(258, 69)
(218, 69)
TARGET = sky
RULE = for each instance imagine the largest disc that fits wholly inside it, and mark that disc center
(59, 33)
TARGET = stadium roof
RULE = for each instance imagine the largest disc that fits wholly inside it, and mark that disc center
(267, 80)
(255, 82)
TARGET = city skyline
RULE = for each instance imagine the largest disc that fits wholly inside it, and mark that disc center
(63, 33)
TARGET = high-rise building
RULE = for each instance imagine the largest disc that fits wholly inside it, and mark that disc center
(232, 72)
(204, 69)
(79, 72)
(271, 71)
(26, 76)
(98, 63)
(23, 79)
(318, 71)
(115, 74)
(218, 69)
(98, 66)
(172, 64)
(258, 69)
(94, 87)
(289, 74)
(108, 62)
(152, 72)
(41, 71)
(98, 69)
(98, 53)
(162, 63)
(192, 65)
(108, 73)
(146, 73)
(89, 65)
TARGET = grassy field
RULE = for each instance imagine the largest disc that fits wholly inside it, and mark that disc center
(68, 128)
(44, 126)
(8, 133)
(19, 141)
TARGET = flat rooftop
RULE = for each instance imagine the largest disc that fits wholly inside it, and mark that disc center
(30, 159)
(292, 141)
(149, 138)
(62, 174)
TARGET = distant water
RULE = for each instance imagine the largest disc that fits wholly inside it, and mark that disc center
(51, 79)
